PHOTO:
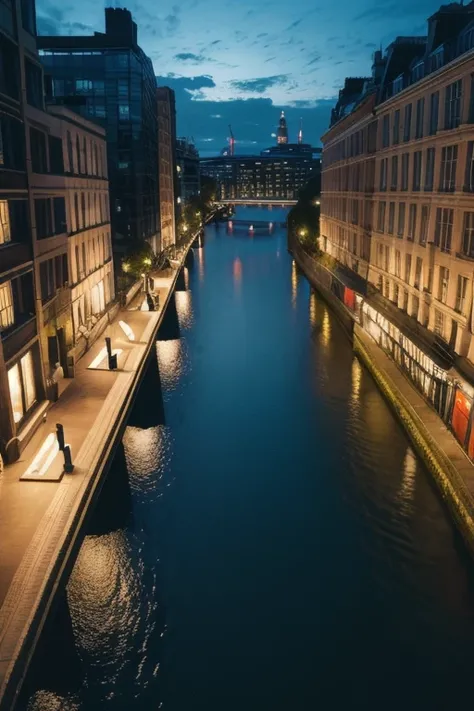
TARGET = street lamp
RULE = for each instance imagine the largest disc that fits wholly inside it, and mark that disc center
(185, 228)
(125, 267)
(147, 262)
(302, 233)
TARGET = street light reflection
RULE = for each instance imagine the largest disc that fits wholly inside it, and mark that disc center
(148, 454)
(407, 486)
(200, 257)
(237, 273)
(294, 283)
(326, 329)
(171, 362)
(184, 308)
(312, 309)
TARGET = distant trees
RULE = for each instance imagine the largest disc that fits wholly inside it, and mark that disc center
(303, 218)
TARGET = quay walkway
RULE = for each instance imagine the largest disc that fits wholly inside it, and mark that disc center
(40, 522)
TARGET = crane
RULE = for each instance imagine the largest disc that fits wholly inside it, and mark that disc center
(231, 141)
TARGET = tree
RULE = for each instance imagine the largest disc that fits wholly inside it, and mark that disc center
(303, 218)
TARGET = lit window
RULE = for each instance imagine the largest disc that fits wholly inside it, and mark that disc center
(124, 112)
(6, 305)
(5, 232)
(16, 399)
(21, 383)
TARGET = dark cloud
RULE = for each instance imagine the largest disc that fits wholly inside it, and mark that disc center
(191, 57)
(262, 34)
(260, 85)
(270, 59)
(315, 60)
(216, 42)
(178, 82)
(380, 11)
(295, 24)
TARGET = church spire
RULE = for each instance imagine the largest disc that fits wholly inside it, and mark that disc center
(282, 135)
(300, 132)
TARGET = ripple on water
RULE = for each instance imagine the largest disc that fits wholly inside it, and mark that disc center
(148, 453)
(173, 362)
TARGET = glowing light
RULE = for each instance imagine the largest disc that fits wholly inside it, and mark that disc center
(184, 308)
(125, 267)
(294, 283)
(101, 356)
(356, 380)
(326, 329)
(185, 228)
(44, 457)
(237, 272)
(127, 330)
(147, 262)
(312, 308)
(302, 232)
(171, 362)
(178, 200)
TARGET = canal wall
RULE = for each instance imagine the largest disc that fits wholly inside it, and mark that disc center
(451, 468)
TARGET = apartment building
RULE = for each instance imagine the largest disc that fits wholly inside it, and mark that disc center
(167, 174)
(420, 210)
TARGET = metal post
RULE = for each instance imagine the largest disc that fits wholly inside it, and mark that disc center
(60, 436)
(111, 358)
(68, 465)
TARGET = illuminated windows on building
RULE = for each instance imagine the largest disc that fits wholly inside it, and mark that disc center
(6, 305)
(21, 382)
(5, 231)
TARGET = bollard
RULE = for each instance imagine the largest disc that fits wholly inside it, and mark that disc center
(60, 436)
(68, 465)
(112, 359)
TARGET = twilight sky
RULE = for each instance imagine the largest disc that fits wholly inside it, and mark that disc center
(242, 62)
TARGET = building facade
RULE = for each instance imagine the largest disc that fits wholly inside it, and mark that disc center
(398, 206)
(187, 167)
(265, 176)
(107, 78)
(167, 173)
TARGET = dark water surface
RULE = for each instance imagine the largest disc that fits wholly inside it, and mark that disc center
(286, 550)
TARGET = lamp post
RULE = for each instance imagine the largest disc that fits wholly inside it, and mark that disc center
(65, 449)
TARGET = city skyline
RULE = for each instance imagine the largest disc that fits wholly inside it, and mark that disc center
(272, 59)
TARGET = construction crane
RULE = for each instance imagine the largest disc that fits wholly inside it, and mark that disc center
(231, 141)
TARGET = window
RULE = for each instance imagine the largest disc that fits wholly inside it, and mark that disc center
(468, 235)
(418, 271)
(364, 248)
(429, 169)
(444, 228)
(83, 210)
(407, 124)
(28, 16)
(12, 142)
(469, 180)
(386, 264)
(461, 292)
(425, 216)
(443, 284)
(391, 218)
(471, 100)
(439, 323)
(452, 105)
(98, 298)
(34, 84)
(405, 170)
(70, 153)
(396, 128)
(415, 306)
(47, 283)
(411, 222)
(6, 306)
(383, 174)
(434, 110)
(420, 116)
(83, 86)
(416, 171)
(38, 151)
(394, 174)
(396, 293)
(9, 68)
(401, 219)
(50, 215)
(84, 148)
(449, 156)
(386, 131)
(56, 163)
(123, 112)
(21, 383)
(405, 300)
(398, 263)
(381, 217)
(59, 212)
(407, 268)
(5, 227)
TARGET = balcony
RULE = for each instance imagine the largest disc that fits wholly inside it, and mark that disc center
(17, 337)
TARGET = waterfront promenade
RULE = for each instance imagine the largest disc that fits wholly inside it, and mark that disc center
(39, 521)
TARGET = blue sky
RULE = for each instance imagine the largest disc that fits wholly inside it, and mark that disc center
(243, 62)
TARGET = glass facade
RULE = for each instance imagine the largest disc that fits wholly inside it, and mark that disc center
(115, 87)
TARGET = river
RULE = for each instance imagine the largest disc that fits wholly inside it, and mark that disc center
(285, 548)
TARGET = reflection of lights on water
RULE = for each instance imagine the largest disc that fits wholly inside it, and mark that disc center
(148, 453)
(101, 593)
(294, 283)
(171, 362)
(200, 259)
(237, 272)
(312, 308)
(50, 701)
(184, 308)
(407, 488)
(326, 329)
(356, 380)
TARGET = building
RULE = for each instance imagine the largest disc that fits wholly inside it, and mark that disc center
(187, 166)
(398, 205)
(282, 134)
(167, 173)
(107, 78)
(265, 176)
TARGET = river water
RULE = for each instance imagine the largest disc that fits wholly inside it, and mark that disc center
(285, 548)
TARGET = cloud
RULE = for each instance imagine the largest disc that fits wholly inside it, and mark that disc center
(216, 42)
(216, 116)
(315, 60)
(207, 140)
(270, 59)
(189, 57)
(262, 34)
(260, 85)
(294, 24)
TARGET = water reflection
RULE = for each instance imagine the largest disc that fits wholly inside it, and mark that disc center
(313, 312)
(172, 362)
(326, 329)
(294, 283)
(356, 371)
(199, 255)
(184, 308)
(237, 273)
(407, 488)
(148, 453)
(50, 701)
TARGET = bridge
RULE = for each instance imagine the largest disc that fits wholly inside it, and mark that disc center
(253, 224)
(48, 521)
(264, 202)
